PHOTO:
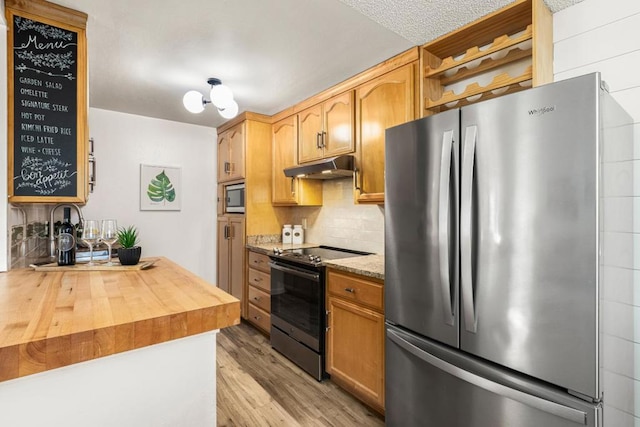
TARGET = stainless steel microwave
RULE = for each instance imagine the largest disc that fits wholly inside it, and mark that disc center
(234, 198)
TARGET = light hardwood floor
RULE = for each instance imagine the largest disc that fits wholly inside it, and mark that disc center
(257, 386)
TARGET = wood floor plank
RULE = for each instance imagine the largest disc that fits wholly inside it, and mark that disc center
(257, 386)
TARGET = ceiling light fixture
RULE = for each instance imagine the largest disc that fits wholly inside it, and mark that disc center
(220, 96)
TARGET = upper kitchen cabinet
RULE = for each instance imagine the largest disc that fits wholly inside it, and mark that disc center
(326, 129)
(245, 155)
(383, 102)
(47, 103)
(231, 153)
(290, 191)
(506, 51)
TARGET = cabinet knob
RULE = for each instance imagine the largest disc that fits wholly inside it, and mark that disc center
(256, 298)
(257, 317)
(350, 290)
(257, 279)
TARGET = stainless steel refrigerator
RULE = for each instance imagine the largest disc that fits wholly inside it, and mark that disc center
(492, 216)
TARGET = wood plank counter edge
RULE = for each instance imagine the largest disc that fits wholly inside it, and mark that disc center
(54, 319)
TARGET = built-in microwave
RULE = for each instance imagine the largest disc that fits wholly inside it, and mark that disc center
(234, 198)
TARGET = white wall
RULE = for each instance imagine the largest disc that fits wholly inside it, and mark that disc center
(122, 143)
(604, 35)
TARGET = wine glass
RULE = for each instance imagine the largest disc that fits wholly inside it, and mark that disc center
(109, 234)
(90, 236)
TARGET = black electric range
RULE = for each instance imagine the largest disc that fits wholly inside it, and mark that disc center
(298, 316)
(313, 257)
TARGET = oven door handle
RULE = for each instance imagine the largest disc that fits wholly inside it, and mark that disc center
(312, 276)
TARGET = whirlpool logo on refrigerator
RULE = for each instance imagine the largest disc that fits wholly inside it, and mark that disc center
(542, 110)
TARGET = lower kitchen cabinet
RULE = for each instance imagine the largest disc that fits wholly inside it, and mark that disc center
(355, 336)
(259, 291)
(231, 243)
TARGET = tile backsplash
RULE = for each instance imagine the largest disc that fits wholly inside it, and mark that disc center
(340, 222)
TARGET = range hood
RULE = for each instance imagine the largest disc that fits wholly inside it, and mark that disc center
(332, 167)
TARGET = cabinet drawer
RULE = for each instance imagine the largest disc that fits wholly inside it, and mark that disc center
(260, 299)
(260, 318)
(259, 261)
(356, 289)
(260, 280)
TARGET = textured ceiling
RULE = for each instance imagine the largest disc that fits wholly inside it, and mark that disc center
(145, 54)
(421, 21)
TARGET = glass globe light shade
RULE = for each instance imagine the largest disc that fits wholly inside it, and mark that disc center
(221, 96)
(230, 111)
(192, 101)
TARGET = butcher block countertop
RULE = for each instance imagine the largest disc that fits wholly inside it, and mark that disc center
(54, 319)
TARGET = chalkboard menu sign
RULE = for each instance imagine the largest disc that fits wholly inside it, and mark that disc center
(47, 103)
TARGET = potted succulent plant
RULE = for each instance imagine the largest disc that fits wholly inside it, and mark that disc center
(129, 253)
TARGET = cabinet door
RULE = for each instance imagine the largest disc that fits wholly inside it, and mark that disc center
(355, 350)
(224, 255)
(338, 125)
(236, 152)
(236, 249)
(221, 201)
(285, 147)
(386, 101)
(309, 134)
(223, 156)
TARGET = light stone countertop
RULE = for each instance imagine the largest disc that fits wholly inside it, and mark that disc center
(367, 265)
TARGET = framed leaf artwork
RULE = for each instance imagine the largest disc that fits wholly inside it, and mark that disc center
(160, 188)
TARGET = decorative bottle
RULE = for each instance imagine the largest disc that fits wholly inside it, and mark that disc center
(66, 240)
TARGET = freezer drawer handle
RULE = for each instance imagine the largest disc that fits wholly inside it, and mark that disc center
(466, 251)
(553, 408)
(443, 226)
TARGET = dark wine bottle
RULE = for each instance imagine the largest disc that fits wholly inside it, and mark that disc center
(66, 240)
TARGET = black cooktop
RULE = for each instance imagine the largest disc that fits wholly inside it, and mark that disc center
(315, 256)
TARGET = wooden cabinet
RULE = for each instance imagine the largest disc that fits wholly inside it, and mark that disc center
(244, 150)
(385, 101)
(503, 52)
(326, 129)
(231, 242)
(220, 199)
(355, 336)
(290, 191)
(259, 291)
(231, 154)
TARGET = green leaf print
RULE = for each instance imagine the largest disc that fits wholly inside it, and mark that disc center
(161, 189)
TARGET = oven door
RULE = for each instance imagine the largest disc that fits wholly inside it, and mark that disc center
(297, 303)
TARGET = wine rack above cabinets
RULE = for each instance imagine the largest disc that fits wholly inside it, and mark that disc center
(504, 52)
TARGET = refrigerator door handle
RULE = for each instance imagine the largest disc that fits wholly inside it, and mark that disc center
(548, 406)
(443, 226)
(466, 232)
